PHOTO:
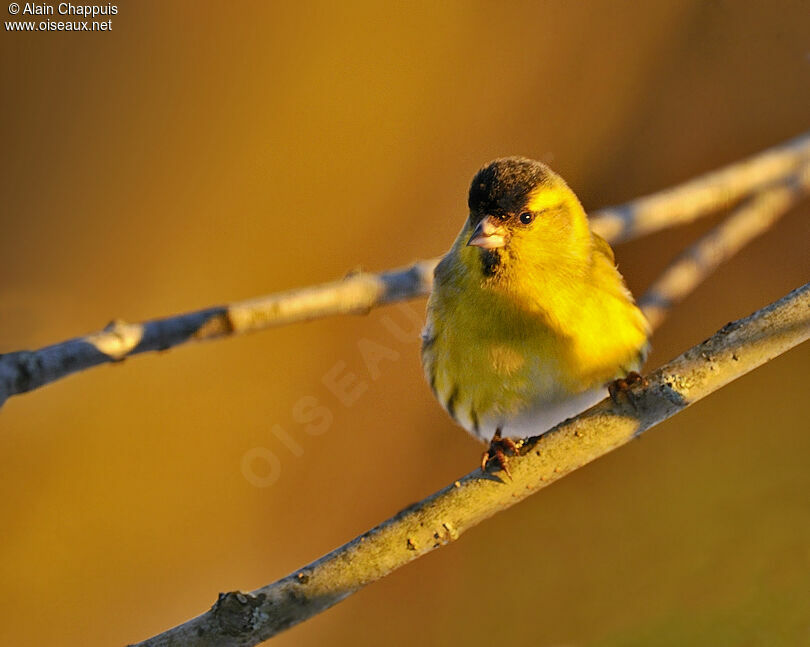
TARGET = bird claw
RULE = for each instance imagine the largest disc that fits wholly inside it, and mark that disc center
(623, 386)
(498, 448)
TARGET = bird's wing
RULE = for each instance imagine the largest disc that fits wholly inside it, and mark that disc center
(602, 247)
(440, 274)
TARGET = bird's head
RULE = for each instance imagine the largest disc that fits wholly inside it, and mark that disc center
(523, 219)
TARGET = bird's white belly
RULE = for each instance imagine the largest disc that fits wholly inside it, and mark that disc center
(538, 417)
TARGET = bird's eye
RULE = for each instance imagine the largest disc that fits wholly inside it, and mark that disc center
(526, 217)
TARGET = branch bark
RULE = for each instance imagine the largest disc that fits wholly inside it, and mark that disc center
(242, 619)
(24, 371)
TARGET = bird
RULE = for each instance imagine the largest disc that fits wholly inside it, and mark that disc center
(529, 320)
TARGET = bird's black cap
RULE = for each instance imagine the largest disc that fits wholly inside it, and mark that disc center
(503, 186)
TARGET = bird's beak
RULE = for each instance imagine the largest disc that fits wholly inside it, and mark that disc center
(488, 235)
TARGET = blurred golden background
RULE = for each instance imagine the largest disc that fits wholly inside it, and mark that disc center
(203, 152)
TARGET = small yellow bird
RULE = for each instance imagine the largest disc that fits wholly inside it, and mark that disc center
(529, 320)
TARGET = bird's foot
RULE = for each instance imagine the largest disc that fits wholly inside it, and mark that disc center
(499, 452)
(624, 385)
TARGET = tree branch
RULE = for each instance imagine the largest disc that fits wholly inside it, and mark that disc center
(751, 219)
(704, 195)
(242, 619)
(24, 371)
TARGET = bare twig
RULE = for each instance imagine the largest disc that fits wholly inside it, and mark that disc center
(749, 220)
(23, 371)
(704, 195)
(249, 618)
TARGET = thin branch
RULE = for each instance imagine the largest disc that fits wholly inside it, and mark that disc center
(249, 618)
(24, 371)
(704, 195)
(751, 219)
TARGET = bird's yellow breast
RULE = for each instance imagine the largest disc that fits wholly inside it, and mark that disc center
(478, 363)
(497, 352)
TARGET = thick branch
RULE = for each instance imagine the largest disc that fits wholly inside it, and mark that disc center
(26, 370)
(249, 618)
